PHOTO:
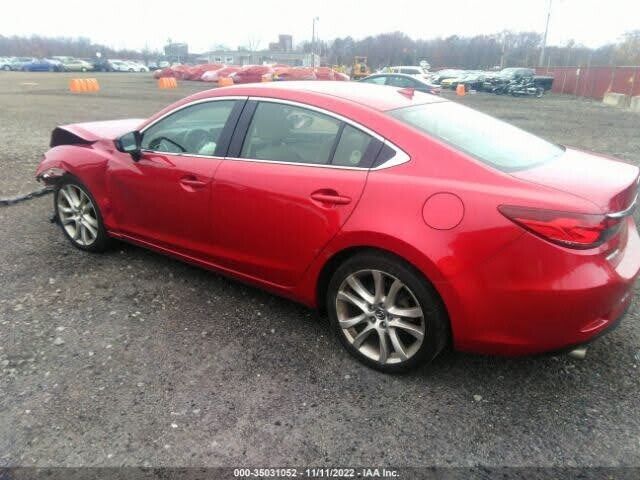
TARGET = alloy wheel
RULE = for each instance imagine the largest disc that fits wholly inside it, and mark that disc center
(380, 316)
(77, 215)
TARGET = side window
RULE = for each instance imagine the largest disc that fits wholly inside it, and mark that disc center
(375, 80)
(289, 134)
(195, 129)
(402, 82)
(351, 148)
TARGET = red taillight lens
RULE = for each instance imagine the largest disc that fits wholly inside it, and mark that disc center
(573, 230)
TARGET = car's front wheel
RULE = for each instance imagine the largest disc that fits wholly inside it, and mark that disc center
(79, 216)
(385, 313)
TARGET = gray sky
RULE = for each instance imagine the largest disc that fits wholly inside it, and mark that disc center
(204, 24)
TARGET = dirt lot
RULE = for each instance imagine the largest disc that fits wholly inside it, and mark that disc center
(131, 358)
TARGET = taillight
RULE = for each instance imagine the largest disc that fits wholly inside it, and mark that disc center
(573, 230)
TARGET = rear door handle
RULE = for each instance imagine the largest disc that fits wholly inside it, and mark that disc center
(331, 197)
(192, 182)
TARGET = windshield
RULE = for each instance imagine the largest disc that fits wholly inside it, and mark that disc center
(488, 139)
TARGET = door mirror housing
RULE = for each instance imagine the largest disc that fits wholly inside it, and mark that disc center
(130, 143)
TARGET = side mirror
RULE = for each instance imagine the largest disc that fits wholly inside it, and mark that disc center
(130, 143)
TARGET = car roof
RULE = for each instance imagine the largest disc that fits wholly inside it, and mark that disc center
(396, 74)
(377, 97)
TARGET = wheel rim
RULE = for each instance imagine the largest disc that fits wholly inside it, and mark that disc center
(77, 215)
(380, 316)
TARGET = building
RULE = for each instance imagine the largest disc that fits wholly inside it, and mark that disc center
(245, 57)
(176, 52)
(278, 52)
(284, 44)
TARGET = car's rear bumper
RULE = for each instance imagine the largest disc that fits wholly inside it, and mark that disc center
(534, 297)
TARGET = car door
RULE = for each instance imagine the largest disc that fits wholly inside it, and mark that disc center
(164, 198)
(292, 178)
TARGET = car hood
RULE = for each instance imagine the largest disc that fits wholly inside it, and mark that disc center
(609, 183)
(106, 130)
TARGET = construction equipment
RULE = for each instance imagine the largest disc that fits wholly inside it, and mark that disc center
(360, 68)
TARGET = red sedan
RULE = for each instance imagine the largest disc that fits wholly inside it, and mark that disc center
(414, 222)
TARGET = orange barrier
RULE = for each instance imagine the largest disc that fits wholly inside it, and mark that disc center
(225, 82)
(167, 82)
(460, 90)
(82, 85)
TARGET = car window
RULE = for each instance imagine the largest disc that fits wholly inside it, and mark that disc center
(402, 82)
(375, 80)
(195, 129)
(488, 139)
(287, 133)
(351, 148)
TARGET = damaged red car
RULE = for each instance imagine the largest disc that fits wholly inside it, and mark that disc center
(414, 222)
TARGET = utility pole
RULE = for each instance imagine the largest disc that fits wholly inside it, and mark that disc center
(544, 39)
(313, 42)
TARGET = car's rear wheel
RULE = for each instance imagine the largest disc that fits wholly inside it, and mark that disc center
(385, 313)
(79, 216)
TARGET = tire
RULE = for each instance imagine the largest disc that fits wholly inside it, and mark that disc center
(91, 221)
(420, 333)
(539, 92)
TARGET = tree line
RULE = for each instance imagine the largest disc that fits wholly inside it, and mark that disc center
(80, 47)
(504, 49)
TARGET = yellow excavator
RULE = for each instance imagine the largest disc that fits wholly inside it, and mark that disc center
(360, 69)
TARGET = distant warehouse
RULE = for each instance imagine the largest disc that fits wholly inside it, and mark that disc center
(278, 52)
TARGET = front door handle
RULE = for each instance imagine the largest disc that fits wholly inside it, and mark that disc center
(330, 197)
(192, 182)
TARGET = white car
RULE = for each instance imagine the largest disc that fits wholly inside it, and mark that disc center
(416, 71)
(136, 66)
(5, 63)
(127, 66)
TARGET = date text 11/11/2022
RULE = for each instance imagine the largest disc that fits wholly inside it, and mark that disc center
(315, 473)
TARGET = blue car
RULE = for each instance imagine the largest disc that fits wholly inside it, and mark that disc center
(41, 65)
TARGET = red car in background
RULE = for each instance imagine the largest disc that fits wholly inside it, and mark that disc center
(413, 221)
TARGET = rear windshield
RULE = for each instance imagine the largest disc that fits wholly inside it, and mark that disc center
(488, 139)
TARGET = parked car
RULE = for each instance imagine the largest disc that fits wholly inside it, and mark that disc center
(5, 63)
(416, 71)
(136, 66)
(40, 65)
(18, 62)
(471, 81)
(120, 66)
(499, 82)
(440, 75)
(70, 64)
(253, 74)
(402, 81)
(452, 80)
(102, 65)
(413, 221)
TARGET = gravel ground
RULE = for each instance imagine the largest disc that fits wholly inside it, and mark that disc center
(131, 358)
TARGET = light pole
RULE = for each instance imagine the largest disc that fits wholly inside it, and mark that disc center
(544, 39)
(313, 42)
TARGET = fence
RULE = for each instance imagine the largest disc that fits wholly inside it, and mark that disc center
(593, 82)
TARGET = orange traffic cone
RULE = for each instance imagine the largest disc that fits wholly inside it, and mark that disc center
(93, 85)
(460, 90)
(225, 82)
(167, 82)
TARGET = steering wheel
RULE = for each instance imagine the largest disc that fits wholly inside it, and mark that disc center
(196, 139)
(156, 142)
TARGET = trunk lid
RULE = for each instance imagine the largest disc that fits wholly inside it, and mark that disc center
(610, 184)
